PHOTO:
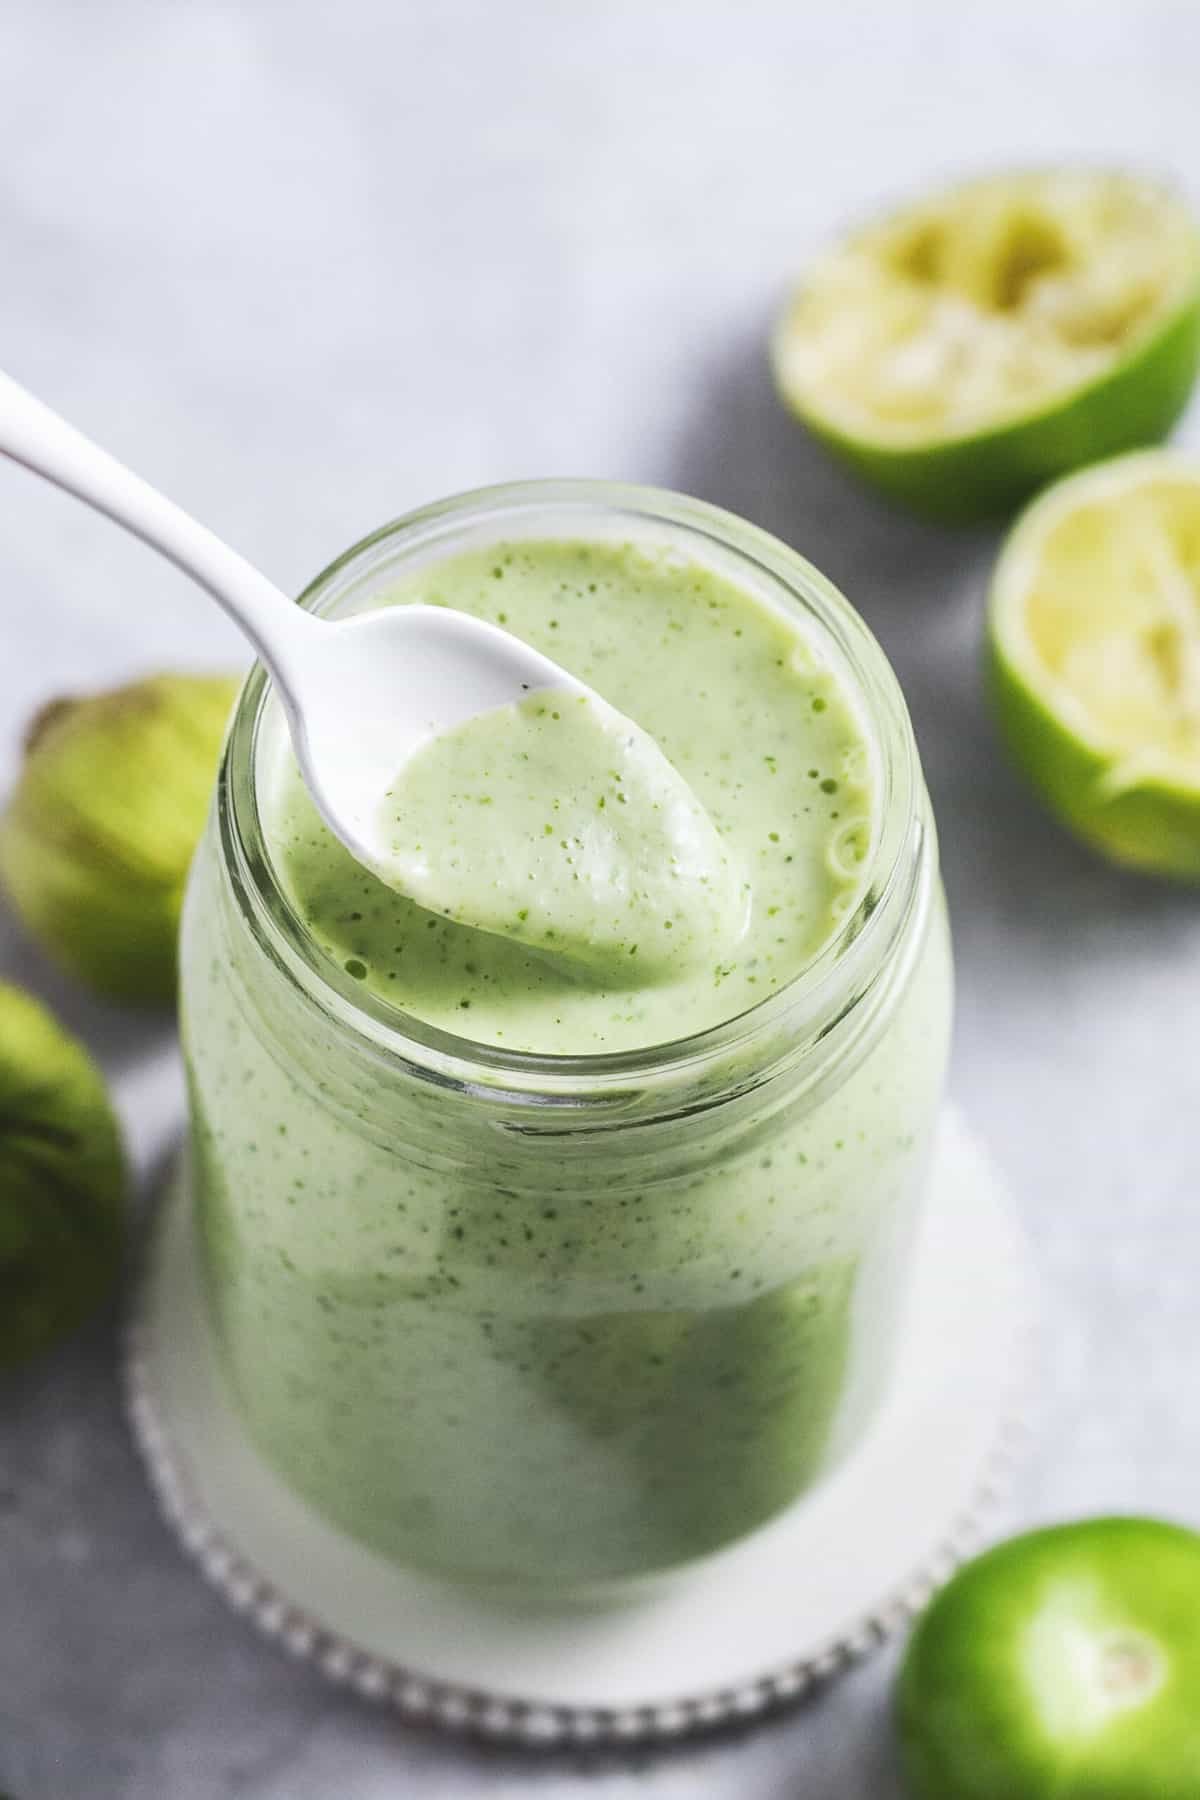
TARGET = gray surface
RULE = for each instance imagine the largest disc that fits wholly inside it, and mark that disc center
(308, 266)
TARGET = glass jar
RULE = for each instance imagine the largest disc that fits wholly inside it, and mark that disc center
(561, 1320)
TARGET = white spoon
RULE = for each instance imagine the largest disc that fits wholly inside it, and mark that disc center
(361, 694)
(364, 694)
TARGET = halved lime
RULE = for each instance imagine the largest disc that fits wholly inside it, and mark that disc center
(1063, 1665)
(966, 349)
(1094, 645)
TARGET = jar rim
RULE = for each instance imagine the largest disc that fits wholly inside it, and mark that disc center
(804, 1008)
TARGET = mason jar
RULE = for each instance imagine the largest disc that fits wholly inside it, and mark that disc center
(561, 1320)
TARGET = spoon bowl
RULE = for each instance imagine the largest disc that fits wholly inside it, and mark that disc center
(363, 694)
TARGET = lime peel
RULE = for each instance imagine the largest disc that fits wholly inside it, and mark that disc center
(1082, 1668)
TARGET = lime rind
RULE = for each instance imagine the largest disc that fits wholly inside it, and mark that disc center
(957, 467)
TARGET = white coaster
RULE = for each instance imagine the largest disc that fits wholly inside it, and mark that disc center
(731, 1635)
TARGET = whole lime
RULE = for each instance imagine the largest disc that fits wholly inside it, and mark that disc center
(97, 838)
(1063, 1665)
(62, 1180)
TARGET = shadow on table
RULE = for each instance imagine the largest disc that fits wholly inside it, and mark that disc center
(743, 450)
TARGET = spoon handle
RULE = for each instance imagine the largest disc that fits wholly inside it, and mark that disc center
(32, 434)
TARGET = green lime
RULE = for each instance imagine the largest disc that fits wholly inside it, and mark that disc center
(1094, 647)
(966, 349)
(1064, 1665)
(62, 1180)
(97, 837)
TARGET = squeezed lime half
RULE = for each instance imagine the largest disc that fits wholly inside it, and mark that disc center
(1063, 1665)
(1094, 650)
(966, 349)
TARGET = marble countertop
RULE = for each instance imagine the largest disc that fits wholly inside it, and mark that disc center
(308, 266)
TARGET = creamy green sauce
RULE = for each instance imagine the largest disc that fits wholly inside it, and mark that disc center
(633, 886)
(559, 823)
